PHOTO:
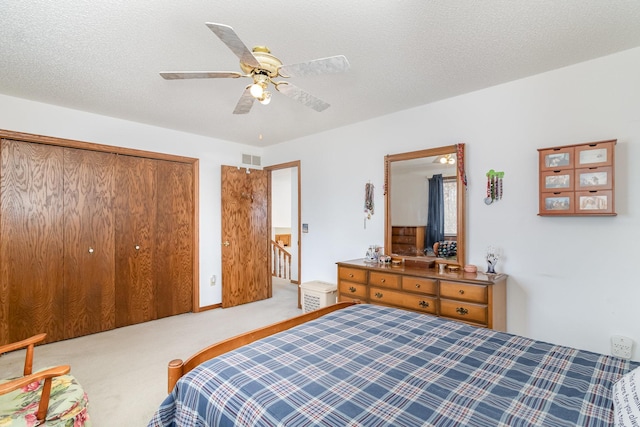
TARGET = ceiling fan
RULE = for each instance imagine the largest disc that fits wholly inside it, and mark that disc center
(262, 67)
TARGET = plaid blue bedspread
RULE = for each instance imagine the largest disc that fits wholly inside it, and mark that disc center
(370, 365)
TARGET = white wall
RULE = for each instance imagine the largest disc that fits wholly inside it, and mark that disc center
(32, 117)
(281, 198)
(572, 281)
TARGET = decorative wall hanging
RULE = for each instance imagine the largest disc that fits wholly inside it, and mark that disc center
(577, 180)
(494, 186)
(368, 202)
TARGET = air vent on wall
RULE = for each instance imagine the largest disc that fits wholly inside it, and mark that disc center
(248, 159)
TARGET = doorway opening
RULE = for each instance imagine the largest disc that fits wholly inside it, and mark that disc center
(284, 224)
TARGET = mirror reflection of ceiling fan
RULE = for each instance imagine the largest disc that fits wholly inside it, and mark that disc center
(447, 159)
(262, 68)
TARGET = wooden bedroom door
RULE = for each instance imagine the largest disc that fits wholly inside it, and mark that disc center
(245, 236)
(31, 225)
(89, 245)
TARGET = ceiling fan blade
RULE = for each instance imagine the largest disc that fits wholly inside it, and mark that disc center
(301, 96)
(244, 103)
(173, 75)
(233, 42)
(332, 64)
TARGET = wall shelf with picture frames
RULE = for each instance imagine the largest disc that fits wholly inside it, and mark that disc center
(578, 180)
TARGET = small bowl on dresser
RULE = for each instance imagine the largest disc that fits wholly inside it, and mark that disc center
(470, 268)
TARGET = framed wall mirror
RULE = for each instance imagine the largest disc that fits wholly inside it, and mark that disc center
(425, 212)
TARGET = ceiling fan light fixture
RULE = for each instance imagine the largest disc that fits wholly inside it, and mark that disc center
(265, 99)
(259, 85)
(256, 90)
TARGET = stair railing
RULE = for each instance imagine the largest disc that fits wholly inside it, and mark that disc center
(281, 267)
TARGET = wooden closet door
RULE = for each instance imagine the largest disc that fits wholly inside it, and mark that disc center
(31, 248)
(89, 246)
(135, 239)
(174, 238)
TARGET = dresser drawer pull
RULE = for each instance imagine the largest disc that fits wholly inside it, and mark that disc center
(378, 294)
(350, 274)
(352, 289)
(383, 280)
(461, 310)
(461, 291)
(418, 285)
(423, 304)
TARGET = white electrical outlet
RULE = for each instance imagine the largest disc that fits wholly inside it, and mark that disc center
(212, 280)
(621, 346)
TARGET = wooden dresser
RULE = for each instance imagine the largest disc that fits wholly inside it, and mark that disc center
(476, 298)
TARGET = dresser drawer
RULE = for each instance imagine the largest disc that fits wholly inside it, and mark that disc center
(419, 285)
(466, 311)
(352, 290)
(384, 279)
(464, 291)
(352, 274)
(401, 299)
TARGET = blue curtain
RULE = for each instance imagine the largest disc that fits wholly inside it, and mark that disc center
(435, 219)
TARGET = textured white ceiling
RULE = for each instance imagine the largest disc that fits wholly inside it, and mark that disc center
(104, 56)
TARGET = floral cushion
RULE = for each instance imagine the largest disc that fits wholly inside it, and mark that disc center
(67, 405)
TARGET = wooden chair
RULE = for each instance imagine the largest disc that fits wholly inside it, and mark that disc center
(50, 397)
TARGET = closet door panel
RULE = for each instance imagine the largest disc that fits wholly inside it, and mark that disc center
(135, 239)
(89, 245)
(31, 227)
(174, 239)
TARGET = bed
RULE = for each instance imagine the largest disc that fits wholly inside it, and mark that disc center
(370, 365)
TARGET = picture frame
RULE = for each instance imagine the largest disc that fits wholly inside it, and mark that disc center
(558, 203)
(556, 158)
(554, 181)
(594, 179)
(594, 202)
(593, 156)
(596, 154)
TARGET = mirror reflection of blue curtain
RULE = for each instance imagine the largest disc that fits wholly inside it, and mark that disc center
(435, 212)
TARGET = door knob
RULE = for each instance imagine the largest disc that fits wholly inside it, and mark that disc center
(137, 247)
(90, 250)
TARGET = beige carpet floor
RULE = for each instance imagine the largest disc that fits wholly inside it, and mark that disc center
(124, 371)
